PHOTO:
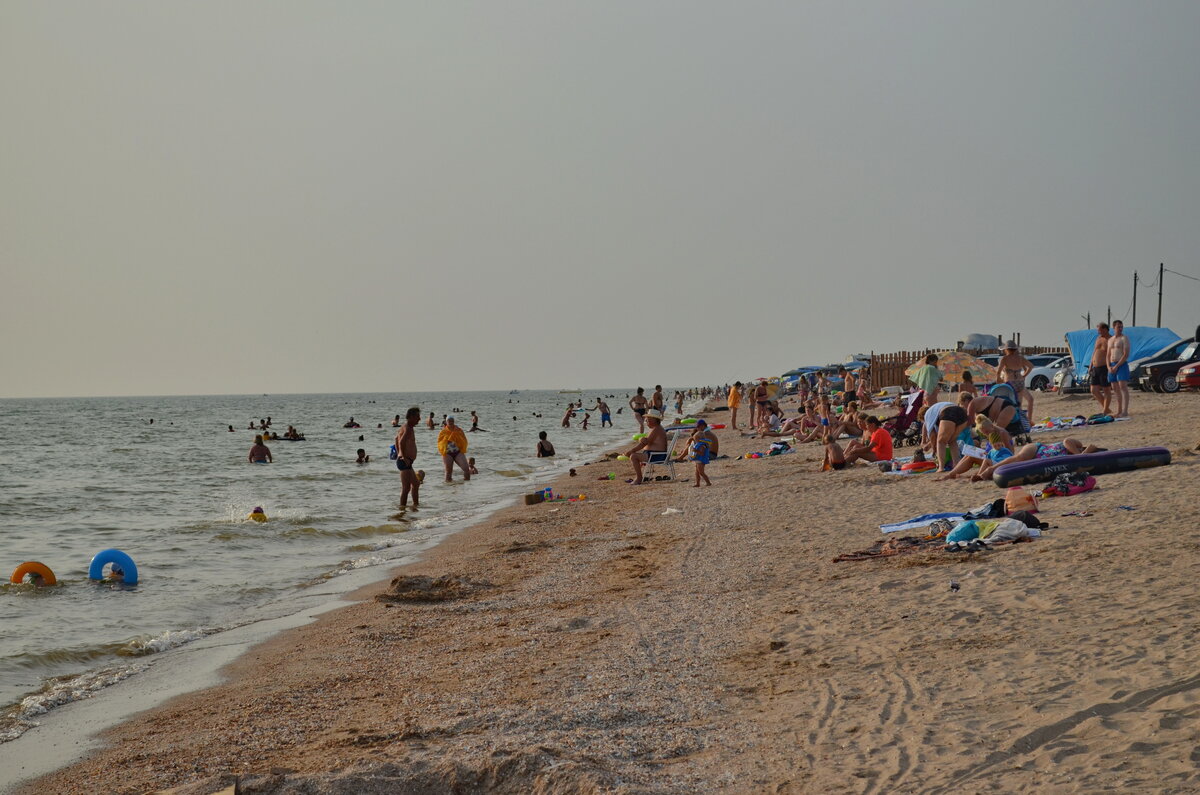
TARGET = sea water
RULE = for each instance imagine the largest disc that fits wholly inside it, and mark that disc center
(85, 474)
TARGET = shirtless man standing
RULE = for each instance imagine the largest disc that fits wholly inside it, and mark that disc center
(850, 385)
(657, 401)
(605, 414)
(1099, 369)
(406, 454)
(1118, 367)
(638, 404)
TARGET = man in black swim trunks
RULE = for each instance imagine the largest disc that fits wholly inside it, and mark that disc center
(406, 454)
(1098, 371)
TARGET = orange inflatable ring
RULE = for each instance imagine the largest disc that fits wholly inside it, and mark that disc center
(33, 567)
(919, 466)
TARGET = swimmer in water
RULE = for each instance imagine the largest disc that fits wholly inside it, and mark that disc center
(260, 453)
(363, 458)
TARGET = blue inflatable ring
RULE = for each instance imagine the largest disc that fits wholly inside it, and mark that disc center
(117, 558)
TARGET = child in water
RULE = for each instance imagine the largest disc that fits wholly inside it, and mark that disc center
(362, 456)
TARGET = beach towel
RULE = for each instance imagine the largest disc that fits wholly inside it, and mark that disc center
(919, 521)
(886, 548)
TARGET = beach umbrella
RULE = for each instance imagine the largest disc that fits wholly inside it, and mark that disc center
(953, 364)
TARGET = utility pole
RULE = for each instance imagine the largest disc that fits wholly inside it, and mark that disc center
(1134, 298)
(1160, 273)
(1109, 321)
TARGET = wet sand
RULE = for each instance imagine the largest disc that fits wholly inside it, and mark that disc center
(664, 638)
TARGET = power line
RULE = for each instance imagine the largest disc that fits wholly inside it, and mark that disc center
(1184, 275)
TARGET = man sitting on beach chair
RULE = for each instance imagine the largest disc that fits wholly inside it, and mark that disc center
(652, 449)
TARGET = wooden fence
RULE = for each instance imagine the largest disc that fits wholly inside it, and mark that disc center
(887, 369)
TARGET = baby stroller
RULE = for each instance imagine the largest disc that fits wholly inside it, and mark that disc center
(1019, 427)
(904, 427)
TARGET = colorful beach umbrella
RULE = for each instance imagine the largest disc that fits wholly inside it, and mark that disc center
(953, 364)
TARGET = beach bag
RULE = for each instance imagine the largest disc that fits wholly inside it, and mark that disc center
(964, 531)
(1029, 519)
(1068, 484)
(1017, 499)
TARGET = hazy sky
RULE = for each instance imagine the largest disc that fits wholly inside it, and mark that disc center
(227, 197)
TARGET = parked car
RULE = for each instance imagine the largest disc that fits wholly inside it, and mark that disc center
(1044, 359)
(1189, 376)
(1042, 376)
(1045, 367)
(1170, 353)
(1065, 381)
(1163, 375)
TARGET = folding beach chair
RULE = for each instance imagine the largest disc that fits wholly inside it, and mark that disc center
(666, 459)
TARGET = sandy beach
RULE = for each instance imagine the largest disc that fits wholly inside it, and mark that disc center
(664, 638)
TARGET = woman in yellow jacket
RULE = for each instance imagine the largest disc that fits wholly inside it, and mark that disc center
(452, 444)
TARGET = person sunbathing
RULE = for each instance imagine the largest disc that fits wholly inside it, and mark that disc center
(878, 449)
(769, 420)
(999, 448)
(652, 449)
(1068, 446)
(810, 427)
(848, 423)
(822, 414)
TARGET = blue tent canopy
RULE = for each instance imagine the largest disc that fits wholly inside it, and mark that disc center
(1143, 341)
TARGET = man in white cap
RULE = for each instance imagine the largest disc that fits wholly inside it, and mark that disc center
(652, 449)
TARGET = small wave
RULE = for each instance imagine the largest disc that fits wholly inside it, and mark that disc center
(514, 473)
(388, 543)
(58, 691)
(351, 532)
(139, 647)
